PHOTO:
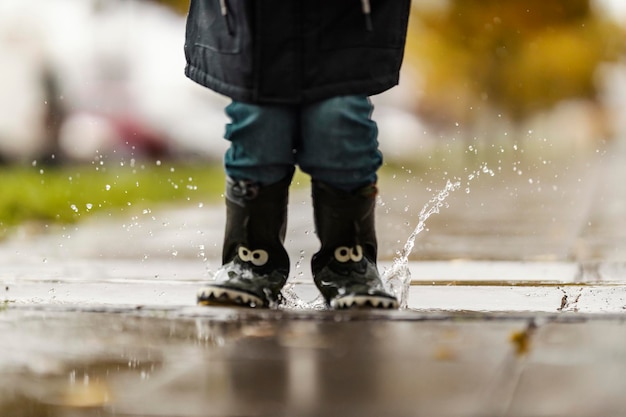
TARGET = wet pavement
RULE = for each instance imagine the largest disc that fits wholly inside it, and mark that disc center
(209, 362)
(516, 307)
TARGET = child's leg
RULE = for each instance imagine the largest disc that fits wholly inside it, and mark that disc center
(340, 151)
(340, 142)
(259, 165)
(262, 139)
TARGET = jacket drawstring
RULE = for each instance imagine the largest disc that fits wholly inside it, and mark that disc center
(367, 12)
(224, 10)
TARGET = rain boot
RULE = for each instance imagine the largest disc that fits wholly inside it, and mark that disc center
(255, 262)
(344, 269)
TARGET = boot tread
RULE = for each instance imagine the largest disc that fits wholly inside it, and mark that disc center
(364, 301)
(216, 295)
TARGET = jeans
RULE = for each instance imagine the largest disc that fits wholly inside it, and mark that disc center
(334, 141)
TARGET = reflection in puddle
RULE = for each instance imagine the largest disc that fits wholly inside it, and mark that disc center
(89, 388)
(80, 364)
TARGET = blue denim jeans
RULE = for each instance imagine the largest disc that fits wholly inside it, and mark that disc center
(334, 141)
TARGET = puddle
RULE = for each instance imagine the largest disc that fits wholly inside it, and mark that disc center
(62, 364)
(83, 364)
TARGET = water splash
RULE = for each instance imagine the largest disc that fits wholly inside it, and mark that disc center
(398, 277)
(291, 300)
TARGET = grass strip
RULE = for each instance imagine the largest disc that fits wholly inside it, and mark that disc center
(67, 194)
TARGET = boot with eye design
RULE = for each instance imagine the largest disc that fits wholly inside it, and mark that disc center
(344, 269)
(255, 263)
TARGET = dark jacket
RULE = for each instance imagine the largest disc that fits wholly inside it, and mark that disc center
(293, 51)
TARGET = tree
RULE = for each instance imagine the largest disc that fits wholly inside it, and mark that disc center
(512, 57)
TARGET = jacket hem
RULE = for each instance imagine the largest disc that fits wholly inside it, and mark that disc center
(366, 88)
(236, 93)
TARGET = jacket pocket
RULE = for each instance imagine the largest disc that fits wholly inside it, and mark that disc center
(208, 27)
(343, 24)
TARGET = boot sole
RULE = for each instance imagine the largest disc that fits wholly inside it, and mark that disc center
(364, 302)
(218, 296)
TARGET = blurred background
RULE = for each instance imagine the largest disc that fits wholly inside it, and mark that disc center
(83, 81)
(79, 77)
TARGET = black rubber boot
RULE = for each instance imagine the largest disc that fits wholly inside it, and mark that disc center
(255, 263)
(344, 269)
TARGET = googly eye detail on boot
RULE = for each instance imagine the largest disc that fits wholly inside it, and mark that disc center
(244, 254)
(345, 254)
(342, 254)
(258, 257)
(356, 254)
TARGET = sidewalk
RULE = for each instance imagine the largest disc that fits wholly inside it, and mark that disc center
(516, 308)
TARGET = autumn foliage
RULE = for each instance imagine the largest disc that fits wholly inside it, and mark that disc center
(514, 57)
